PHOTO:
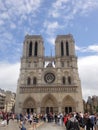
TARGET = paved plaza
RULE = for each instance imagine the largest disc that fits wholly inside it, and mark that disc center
(51, 126)
(13, 125)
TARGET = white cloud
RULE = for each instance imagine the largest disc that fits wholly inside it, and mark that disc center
(77, 48)
(68, 9)
(59, 3)
(93, 48)
(9, 74)
(7, 36)
(4, 15)
(51, 27)
(88, 71)
(90, 48)
(88, 6)
(12, 11)
(51, 40)
(23, 6)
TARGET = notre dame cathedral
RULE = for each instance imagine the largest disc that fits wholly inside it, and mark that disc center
(49, 83)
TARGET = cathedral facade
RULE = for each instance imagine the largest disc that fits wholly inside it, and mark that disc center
(48, 83)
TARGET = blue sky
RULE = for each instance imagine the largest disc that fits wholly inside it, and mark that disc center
(49, 18)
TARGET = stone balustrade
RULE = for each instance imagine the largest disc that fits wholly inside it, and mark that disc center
(47, 89)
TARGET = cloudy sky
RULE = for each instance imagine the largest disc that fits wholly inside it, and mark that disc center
(49, 18)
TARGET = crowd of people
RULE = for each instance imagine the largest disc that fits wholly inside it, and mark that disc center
(77, 121)
(71, 121)
(5, 117)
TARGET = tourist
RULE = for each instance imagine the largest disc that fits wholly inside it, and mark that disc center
(65, 120)
(92, 118)
(72, 123)
(34, 121)
(96, 124)
(31, 118)
(7, 118)
(18, 117)
(21, 125)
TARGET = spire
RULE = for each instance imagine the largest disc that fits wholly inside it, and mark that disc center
(51, 52)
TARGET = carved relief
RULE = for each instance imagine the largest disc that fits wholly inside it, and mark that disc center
(29, 103)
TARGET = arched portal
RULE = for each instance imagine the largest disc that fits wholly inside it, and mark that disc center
(29, 105)
(68, 104)
(49, 104)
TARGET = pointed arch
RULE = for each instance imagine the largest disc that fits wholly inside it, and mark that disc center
(69, 80)
(63, 80)
(62, 48)
(49, 100)
(28, 81)
(29, 103)
(68, 104)
(36, 49)
(68, 100)
(30, 49)
(67, 48)
(34, 80)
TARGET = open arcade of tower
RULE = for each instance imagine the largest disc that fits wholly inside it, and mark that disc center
(49, 83)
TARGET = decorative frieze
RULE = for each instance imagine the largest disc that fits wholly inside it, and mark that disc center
(52, 89)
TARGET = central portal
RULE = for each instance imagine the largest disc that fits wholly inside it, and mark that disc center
(30, 110)
(49, 109)
(49, 104)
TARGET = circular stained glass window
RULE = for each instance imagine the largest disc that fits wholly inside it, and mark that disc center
(49, 78)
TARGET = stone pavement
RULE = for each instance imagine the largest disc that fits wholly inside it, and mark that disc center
(50, 126)
(13, 125)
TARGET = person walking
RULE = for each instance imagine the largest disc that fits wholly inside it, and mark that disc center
(34, 122)
(96, 124)
(21, 125)
(72, 123)
(7, 118)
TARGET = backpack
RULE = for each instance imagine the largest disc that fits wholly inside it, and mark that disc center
(74, 125)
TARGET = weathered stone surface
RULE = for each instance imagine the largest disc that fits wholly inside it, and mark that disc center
(49, 83)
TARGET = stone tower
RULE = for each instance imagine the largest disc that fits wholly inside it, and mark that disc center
(49, 84)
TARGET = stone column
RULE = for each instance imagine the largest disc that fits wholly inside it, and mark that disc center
(59, 107)
(38, 107)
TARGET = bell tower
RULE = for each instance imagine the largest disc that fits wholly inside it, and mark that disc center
(64, 50)
(64, 46)
(33, 46)
(33, 50)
